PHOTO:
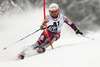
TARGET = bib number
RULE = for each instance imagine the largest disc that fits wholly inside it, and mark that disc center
(54, 27)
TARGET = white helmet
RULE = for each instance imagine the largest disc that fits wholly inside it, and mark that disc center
(53, 7)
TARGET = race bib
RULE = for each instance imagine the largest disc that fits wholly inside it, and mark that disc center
(54, 27)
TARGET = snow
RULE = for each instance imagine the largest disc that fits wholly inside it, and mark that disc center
(70, 50)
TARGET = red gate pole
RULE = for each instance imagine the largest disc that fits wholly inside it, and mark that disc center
(46, 24)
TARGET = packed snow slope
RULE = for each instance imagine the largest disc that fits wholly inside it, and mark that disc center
(70, 50)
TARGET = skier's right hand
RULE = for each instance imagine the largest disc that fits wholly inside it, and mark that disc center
(42, 27)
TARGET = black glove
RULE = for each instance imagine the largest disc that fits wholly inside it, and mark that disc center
(42, 27)
(77, 31)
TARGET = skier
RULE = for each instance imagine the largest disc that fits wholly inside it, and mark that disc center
(54, 22)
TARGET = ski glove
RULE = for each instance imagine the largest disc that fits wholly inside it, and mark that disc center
(77, 31)
(42, 27)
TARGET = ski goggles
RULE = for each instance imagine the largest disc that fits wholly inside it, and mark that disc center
(54, 12)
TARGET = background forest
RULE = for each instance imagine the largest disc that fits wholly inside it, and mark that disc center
(84, 13)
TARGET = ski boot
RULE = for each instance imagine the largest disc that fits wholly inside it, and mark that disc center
(41, 50)
(20, 56)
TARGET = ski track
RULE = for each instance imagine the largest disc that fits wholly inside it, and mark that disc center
(70, 50)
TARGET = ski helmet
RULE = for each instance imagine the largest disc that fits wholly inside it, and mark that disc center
(53, 7)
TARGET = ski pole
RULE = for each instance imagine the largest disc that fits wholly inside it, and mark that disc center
(88, 37)
(21, 39)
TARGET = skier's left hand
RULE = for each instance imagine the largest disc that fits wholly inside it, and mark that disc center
(77, 31)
